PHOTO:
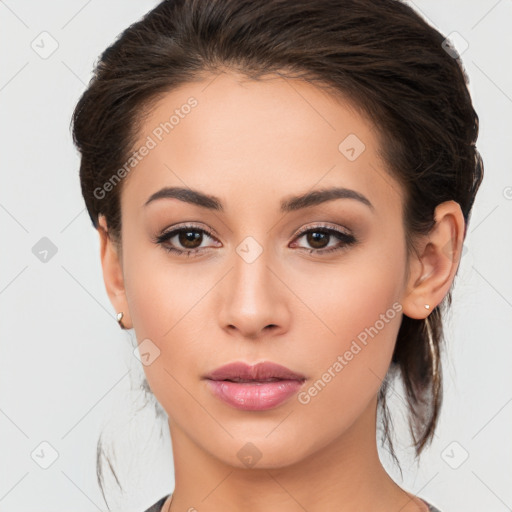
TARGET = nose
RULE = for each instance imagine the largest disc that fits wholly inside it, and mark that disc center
(254, 299)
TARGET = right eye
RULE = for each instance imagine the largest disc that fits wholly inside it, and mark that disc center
(189, 238)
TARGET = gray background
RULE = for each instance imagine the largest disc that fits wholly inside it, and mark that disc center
(66, 368)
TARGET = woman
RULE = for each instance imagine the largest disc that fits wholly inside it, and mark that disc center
(282, 190)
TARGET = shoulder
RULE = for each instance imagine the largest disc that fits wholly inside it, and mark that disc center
(157, 507)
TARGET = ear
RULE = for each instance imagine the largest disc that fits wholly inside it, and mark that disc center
(113, 278)
(433, 268)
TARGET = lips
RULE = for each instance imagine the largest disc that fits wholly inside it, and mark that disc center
(261, 372)
(254, 388)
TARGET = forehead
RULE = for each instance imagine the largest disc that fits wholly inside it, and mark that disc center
(248, 141)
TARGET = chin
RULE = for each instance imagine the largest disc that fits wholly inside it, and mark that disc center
(255, 453)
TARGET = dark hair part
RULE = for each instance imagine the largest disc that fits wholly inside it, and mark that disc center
(380, 54)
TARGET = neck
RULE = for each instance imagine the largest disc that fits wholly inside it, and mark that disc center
(345, 475)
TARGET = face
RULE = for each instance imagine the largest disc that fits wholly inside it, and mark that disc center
(315, 286)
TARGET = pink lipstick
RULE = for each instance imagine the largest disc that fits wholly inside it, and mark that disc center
(254, 388)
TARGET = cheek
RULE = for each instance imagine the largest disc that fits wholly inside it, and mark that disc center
(168, 307)
(162, 312)
(361, 315)
(159, 294)
(354, 296)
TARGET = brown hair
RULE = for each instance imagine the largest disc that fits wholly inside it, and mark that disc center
(380, 54)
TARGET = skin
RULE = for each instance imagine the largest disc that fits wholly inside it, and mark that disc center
(252, 144)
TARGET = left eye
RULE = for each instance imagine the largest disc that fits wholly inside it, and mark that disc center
(320, 237)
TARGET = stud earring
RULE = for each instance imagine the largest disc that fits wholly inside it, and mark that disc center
(427, 306)
(119, 320)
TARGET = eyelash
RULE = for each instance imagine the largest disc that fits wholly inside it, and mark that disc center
(345, 239)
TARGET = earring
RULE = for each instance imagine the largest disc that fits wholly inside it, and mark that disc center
(433, 353)
(119, 320)
(427, 306)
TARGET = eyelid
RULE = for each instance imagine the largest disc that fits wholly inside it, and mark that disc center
(184, 226)
(324, 225)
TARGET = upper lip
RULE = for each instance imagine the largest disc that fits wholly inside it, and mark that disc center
(257, 372)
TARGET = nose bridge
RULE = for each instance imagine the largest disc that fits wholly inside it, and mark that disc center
(251, 269)
(253, 299)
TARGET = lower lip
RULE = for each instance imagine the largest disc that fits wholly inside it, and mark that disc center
(254, 396)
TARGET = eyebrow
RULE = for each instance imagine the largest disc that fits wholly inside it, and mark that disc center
(290, 204)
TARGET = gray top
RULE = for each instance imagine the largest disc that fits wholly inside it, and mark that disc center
(157, 507)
